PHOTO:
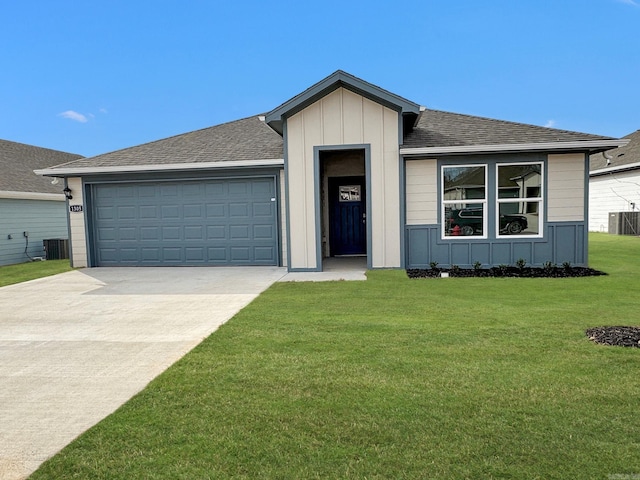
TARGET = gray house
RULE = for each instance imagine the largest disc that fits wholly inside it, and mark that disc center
(614, 188)
(343, 168)
(29, 202)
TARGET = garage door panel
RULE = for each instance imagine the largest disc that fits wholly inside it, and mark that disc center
(214, 222)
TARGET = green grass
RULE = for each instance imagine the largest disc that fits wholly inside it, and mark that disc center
(21, 272)
(477, 378)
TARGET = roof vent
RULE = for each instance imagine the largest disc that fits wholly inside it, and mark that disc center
(261, 118)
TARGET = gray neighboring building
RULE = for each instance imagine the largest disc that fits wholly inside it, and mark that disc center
(343, 168)
(614, 187)
(29, 202)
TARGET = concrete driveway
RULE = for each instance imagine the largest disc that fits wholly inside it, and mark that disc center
(76, 346)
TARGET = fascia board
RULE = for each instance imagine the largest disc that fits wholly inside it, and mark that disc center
(79, 171)
(56, 197)
(332, 82)
(614, 169)
(515, 147)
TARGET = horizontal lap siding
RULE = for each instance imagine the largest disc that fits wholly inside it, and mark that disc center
(421, 192)
(612, 193)
(566, 187)
(42, 219)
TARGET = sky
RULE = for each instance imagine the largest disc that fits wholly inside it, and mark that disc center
(93, 77)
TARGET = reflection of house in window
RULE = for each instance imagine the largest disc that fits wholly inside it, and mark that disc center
(522, 182)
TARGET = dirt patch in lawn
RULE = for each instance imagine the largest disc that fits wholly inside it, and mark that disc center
(615, 336)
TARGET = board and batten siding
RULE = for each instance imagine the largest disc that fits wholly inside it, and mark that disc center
(283, 213)
(77, 225)
(42, 219)
(565, 187)
(344, 118)
(614, 192)
(421, 192)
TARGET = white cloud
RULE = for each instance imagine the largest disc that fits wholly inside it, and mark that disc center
(630, 2)
(104, 110)
(71, 115)
(550, 124)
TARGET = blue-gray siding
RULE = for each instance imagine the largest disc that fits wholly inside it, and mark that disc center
(196, 222)
(562, 242)
(43, 219)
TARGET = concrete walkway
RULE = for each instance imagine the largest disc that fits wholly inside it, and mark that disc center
(76, 346)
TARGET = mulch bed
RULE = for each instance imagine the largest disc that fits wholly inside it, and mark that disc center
(615, 336)
(507, 271)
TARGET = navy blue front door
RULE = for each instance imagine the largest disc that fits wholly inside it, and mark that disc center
(347, 216)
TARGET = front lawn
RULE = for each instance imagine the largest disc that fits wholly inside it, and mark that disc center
(458, 378)
(21, 272)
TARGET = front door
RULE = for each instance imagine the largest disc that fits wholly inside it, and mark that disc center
(347, 216)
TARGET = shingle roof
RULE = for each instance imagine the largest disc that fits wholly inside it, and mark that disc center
(245, 139)
(620, 156)
(436, 128)
(18, 161)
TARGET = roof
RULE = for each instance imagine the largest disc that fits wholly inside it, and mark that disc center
(257, 140)
(438, 129)
(18, 161)
(248, 139)
(622, 158)
(334, 81)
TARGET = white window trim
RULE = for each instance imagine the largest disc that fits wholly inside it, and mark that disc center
(539, 200)
(484, 203)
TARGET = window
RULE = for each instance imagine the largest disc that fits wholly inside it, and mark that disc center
(464, 199)
(519, 199)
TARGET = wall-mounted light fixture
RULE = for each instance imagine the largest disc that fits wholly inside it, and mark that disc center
(67, 193)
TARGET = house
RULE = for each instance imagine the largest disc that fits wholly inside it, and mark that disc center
(343, 168)
(614, 188)
(29, 202)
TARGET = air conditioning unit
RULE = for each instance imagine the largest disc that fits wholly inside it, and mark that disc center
(624, 223)
(56, 248)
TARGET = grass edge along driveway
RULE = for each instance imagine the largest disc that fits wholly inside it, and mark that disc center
(394, 378)
(22, 272)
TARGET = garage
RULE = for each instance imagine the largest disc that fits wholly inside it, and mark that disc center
(229, 221)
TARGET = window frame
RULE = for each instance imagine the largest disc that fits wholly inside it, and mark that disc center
(482, 202)
(538, 199)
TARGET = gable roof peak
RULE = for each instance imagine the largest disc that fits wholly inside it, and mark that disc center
(275, 118)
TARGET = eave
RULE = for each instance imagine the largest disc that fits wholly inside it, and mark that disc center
(56, 197)
(592, 146)
(615, 169)
(80, 171)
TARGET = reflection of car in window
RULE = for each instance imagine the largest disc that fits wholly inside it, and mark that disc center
(469, 222)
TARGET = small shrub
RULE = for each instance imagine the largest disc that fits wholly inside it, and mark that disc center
(520, 263)
(433, 265)
(477, 266)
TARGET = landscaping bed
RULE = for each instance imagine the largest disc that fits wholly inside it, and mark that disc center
(506, 271)
(615, 336)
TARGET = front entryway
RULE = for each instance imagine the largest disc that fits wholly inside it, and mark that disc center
(347, 216)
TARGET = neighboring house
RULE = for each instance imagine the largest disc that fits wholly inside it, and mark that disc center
(614, 186)
(29, 202)
(343, 168)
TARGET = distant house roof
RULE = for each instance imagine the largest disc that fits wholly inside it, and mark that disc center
(18, 161)
(622, 158)
(257, 140)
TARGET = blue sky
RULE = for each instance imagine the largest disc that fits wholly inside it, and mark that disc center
(92, 77)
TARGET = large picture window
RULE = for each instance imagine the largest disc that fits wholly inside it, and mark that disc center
(519, 199)
(464, 200)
